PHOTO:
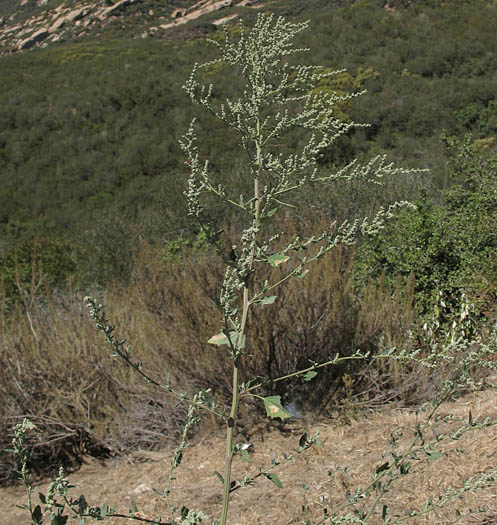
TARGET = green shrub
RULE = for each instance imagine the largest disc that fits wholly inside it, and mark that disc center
(35, 268)
(449, 246)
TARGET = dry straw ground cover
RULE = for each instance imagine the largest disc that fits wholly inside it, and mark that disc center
(359, 445)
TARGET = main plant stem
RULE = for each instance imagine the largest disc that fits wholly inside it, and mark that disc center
(233, 414)
(236, 361)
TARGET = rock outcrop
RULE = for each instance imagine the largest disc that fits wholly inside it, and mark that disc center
(83, 17)
(77, 14)
(117, 8)
(200, 8)
(36, 37)
(178, 13)
(58, 24)
(225, 19)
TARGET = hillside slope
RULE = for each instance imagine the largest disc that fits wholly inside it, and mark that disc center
(91, 109)
(42, 23)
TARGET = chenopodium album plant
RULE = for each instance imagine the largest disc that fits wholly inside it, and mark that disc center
(277, 96)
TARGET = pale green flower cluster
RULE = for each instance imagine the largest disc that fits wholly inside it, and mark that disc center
(276, 96)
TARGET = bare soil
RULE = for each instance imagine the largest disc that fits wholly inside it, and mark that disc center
(307, 481)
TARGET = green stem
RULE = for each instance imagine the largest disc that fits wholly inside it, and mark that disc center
(98, 315)
(236, 358)
(233, 414)
(28, 493)
(308, 369)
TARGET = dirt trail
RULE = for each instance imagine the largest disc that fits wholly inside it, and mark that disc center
(306, 481)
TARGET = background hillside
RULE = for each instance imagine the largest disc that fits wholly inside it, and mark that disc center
(92, 122)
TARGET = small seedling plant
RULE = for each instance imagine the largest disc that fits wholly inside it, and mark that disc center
(278, 96)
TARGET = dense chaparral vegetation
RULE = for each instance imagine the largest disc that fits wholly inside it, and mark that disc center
(94, 124)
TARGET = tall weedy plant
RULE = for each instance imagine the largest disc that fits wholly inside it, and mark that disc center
(277, 96)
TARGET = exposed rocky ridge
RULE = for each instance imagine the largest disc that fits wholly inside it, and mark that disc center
(69, 21)
(203, 7)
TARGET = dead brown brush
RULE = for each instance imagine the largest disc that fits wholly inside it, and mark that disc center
(83, 401)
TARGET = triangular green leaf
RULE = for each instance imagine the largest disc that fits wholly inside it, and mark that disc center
(268, 300)
(234, 338)
(274, 408)
(219, 477)
(221, 339)
(37, 515)
(435, 455)
(275, 479)
(258, 380)
(277, 259)
(309, 375)
(218, 340)
(303, 440)
(381, 468)
(303, 274)
(82, 504)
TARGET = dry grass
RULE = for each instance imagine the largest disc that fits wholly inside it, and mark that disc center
(360, 446)
(56, 369)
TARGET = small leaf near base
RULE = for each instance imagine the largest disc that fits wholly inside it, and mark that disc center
(274, 408)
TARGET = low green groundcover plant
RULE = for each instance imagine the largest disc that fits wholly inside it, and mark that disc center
(278, 96)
